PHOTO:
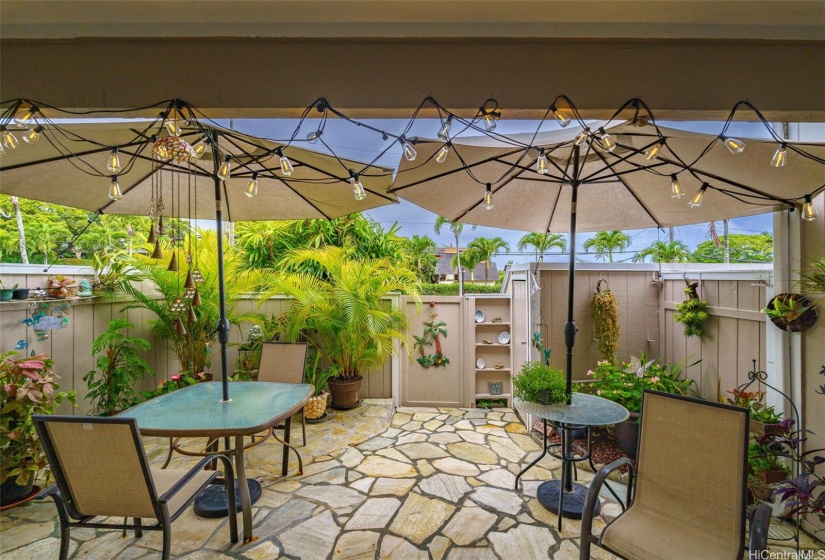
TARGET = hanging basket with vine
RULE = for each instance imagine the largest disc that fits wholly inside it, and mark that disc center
(692, 312)
(606, 321)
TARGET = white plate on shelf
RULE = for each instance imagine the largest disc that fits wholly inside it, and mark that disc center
(480, 363)
(504, 337)
(479, 316)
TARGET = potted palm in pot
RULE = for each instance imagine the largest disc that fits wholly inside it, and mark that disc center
(342, 307)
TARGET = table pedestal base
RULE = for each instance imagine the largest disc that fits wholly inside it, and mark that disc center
(572, 502)
(211, 502)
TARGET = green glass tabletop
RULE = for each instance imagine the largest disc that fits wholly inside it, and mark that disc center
(197, 410)
(585, 410)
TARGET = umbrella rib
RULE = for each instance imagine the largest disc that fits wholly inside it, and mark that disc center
(620, 178)
(63, 157)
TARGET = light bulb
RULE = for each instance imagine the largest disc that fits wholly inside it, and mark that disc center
(286, 165)
(735, 146)
(606, 140)
(488, 197)
(561, 116)
(114, 189)
(653, 151)
(442, 153)
(541, 163)
(409, 152)
(313, 137)
(780, 157)
(225, 170)
(114, 161)
(489, 121)
(696, 200)
(9, 139)
(172, 127)
(252, 186)
(200, 149)
(357, 187)
(808, 210)
(24, 120)
(33, 135)
(582, 137)
(444, 133)
(675, 188)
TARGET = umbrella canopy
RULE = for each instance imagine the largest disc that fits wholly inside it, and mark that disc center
(617, 190)
(67, 166)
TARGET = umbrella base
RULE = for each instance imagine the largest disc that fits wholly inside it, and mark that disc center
(572, 502)
(211, 503)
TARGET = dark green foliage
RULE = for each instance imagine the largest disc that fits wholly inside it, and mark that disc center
(119, 367)
(743, 248)
(692, 313)
(535, 377)
(452, 289)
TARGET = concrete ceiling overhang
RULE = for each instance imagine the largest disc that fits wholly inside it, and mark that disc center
(688, 59)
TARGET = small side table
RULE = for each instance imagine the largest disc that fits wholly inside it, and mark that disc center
(562, 496)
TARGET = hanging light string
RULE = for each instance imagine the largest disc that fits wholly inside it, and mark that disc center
(18, 113)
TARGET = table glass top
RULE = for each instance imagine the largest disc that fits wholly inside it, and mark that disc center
(199, 407)
(585, 410)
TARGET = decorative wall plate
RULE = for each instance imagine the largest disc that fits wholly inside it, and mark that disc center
(480, 363)
(504, 337)
(479, 316)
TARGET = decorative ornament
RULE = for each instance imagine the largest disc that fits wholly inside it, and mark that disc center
(177, 305)
(433, 331)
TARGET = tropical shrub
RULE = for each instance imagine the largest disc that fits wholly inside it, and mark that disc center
(692, 313)
(452, 289)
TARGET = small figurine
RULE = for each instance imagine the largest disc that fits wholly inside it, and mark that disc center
(85, 288)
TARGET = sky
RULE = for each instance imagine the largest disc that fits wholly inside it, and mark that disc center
(351, 141)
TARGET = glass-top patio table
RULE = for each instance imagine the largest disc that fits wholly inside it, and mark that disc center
(198, 411)
(562, 496)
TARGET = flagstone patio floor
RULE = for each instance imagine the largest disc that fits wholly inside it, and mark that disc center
(422, 483)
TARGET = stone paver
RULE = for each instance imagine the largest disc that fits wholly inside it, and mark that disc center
(424, 483)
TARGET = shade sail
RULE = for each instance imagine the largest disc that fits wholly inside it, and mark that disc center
(618, 190)
(318, 187)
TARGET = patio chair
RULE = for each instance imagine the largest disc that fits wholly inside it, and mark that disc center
(284, 362)
(100, 469)
(689, 495)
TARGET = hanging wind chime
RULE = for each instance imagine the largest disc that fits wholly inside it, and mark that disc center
(175, 152)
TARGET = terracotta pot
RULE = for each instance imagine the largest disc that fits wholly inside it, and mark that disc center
(316, 406)
(11, 492)
(345, 393)
(627, 433)
(773, 476)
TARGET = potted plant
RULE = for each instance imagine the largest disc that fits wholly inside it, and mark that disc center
(19, 293)
(605, 309)
(6, 293)
(119, 367)
(540, 383)
(791, 312)
(110, 273)
(316, 406)
(765, 463)
(692, 312)
(62, 286)
(28, 386)
(342, 307)
(764, 419)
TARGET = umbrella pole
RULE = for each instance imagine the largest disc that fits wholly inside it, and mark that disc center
(570, 328)
(223, 324)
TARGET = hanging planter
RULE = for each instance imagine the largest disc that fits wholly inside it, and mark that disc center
(606, 321)
(791, 312)
(692, 312)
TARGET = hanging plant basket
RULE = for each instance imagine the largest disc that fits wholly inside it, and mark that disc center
(605, 308)
(791, 312)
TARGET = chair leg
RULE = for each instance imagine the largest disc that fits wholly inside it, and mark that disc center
(167, 534)
(303, 428)
(65, 536)
(138, 527)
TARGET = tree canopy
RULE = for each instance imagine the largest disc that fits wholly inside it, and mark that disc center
(605, 243)
(744, 248)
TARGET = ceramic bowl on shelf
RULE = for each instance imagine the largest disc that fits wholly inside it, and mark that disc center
(504, 337)
(479, 316)
(480, 363)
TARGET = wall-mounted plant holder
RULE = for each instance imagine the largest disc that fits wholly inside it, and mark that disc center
(791, 312)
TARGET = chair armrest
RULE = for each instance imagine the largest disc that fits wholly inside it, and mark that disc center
(590, 503)
(760, 518)
(228, 473)
(46, 492)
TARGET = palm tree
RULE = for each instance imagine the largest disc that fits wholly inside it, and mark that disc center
(664, 252)
(456, 228)
(487, 248)
(607, 242)
(469, 260)
(420, 249)
(543, 242)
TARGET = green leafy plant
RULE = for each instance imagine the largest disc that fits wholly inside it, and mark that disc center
(119, 367)
(110, 272)
(765, 456)
(29, 387)
(537, 382)
(692, 313)
(487, 404)
(606, 322)
(625, 383)
(764, 414)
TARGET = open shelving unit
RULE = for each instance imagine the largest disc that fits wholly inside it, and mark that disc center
(485, 345)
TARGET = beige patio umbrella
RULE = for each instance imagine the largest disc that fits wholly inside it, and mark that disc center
(620, 177)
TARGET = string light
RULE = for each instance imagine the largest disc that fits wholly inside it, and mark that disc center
(489, 121)
(607, 141)
(488, 197)
(225, 169)
(560, 116)
(444, 132)
(286, 165)
(171, 126)
(114, 189)
(489, 114)
(653, 151)
(252, 186)
(582, 137)
(541, 163)
(9, 140)
(357, 187)
(443, 153)
(199, 148)
(406, 146)
(780, 157)
(114, 161)
(313, 136)
(696, 200)
(31, 136)
(675, 188)
(26, 118)
(734, 145)
(808, 210)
